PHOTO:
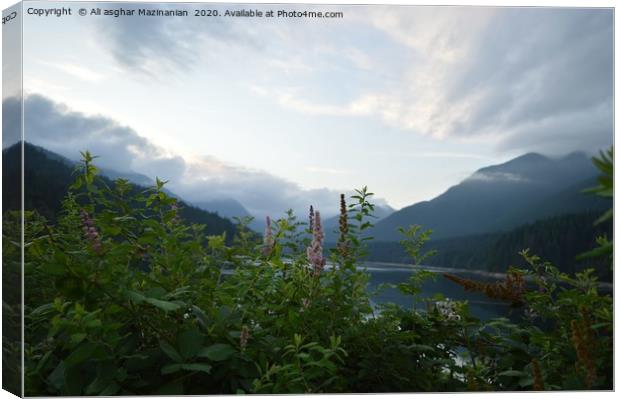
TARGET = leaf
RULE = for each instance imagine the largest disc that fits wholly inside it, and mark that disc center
(42, 362)
(189, 343)
(55, 269)
(43, 309)
(420, 348)
(526, 381)
(606, 216)
(82, 353)
(200, 315)
(104, 380)
(166, 306)
(172, 388)
(196, 367)
(217, 352)
(77, 338)
(600, 325)
(512, 373)
(173, 368)
(170, 351)
(170, 368)
(110, 390)
(156, 293)
(57, 377)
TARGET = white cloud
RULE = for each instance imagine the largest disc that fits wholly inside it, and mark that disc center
(439, 154)
(77, 71)
(497, 176)
(59, 129)
(328, 171)
(510, 76)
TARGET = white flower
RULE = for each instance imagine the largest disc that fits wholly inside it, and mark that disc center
(448, 309)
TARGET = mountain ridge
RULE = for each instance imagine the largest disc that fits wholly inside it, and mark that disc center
(47, 177)
(499, 197)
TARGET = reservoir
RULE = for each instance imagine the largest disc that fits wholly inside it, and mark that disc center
(480, 306)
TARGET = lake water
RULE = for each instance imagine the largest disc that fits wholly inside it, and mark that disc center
(479, 305)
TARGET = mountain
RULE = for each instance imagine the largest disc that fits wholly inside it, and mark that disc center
(135, 178)
(47, 177)
(330, 225)
(558, 239)
(227, 208)
(501, 197)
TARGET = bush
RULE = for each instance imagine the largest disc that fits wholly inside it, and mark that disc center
(124, 298)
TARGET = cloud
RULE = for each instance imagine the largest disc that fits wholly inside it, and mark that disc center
(160, 47)
(516, 75)
(497, 176)
(77, 71)
(442, 154)
(329, 171)
(59, 129)
(522, 78)
(11, 121)
(518, 79)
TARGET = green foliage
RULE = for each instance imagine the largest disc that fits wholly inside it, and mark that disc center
(124, 298)
(307, 368)
(415, 238)
(605, 189)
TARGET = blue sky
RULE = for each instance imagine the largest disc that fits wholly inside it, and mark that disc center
(285, 113)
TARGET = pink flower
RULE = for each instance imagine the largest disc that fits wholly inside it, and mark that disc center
(315, 251)
(268, 240)
(90, 232)
(244, 337)
(311, 219)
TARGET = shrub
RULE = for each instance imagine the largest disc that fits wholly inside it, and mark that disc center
(124, 297)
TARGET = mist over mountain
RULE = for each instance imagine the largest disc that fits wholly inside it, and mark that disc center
(225, 207)
(493, 199)
(47, 177)
(500, 197)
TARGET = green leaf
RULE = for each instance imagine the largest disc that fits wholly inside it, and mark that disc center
(170, 351)
(173, 368)
(110, 390)
(57, 377)
(82, 353)
(196, 367)
(166, 306)
(55, 269)
(172, 388)
(512, 373)
(190, 343)
(420, 348)
(200, 315)
(104, 381)
(526, 381)
(606, 216)
(217, 352)
(77, 338)
(170, 368)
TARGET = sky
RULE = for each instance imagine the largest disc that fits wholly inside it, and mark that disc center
(284, 113)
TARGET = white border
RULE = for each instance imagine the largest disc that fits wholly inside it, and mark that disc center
(510, 3)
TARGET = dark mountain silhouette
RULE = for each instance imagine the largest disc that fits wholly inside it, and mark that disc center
(501, 197)
(558, 239)
(47, 177)
(227, 207)
(330, 225)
